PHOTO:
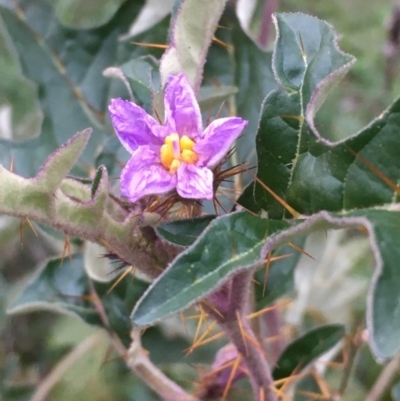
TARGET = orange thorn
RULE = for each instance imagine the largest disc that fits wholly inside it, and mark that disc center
(122, 276)
(281, 394)
(31, 226)
(158, 116)
(202, 317)
(294, 246)
(377, 172)
(199, 341)
(219, 110)
(208, 340)
(12, 164)
(242, 332)
(293, 212)
(182, 315)
(21, 232)
(267, 309)
(222, 43)
(231, 377)
(322, 385)
(258, 346)
(213, 308)
(267, 266)
(67, 248)
(154, 45)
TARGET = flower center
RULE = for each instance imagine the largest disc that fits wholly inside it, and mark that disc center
(177, 150)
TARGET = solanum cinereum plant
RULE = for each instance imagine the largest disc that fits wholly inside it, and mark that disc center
(303, 183)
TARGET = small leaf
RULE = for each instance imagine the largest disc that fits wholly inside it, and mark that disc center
(183, 232)
(305, 349)
(143, 77)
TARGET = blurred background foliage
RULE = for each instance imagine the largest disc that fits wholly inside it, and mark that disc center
(33, 345)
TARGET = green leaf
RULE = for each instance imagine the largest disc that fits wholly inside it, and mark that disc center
(183, 232)
(294, 161)
(66, 65)
(228, 244)
(143, 77)
(254, 79)
(190, 39)
(239, 241)
(63, 287)
(305, 349)
(280, 276)
(81, 14)
(383, 313)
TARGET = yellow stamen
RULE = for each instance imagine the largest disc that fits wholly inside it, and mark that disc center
(177, 150)
(189, 157)
(186, 143)
(167, 155)
(174, 166)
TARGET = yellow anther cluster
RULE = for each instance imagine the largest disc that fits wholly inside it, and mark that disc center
(177, 150)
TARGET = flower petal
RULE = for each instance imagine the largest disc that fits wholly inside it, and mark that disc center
(144, 175)
(217, 139)
(134, 126)
(182, 112)
(194, 182)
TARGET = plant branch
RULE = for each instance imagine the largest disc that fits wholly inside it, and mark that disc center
(384, 380)
(232, 303)
(272, 329)
(138, 361)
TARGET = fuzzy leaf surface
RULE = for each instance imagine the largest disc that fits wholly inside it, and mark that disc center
(239, 241)
(305, 349)
(190, 39)
(307, 63)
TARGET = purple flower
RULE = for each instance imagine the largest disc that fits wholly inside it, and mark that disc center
(178, 154)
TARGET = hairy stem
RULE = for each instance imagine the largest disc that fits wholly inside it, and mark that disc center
(272, 331)
(232, 303)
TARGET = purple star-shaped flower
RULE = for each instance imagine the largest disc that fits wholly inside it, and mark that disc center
(178, 154)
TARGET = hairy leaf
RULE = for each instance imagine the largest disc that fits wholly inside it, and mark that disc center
(241, 241)
(190, 38)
